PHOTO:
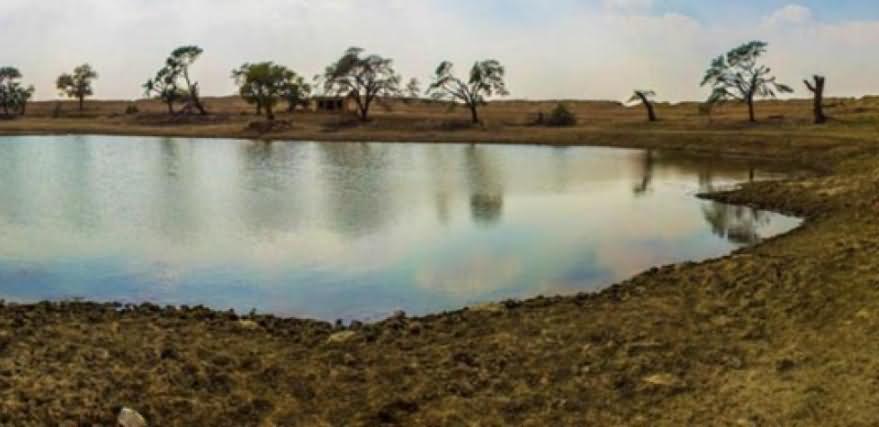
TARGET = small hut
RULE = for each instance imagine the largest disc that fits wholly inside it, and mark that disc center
(334, 104)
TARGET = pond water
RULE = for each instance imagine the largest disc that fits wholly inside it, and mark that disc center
(350, 230)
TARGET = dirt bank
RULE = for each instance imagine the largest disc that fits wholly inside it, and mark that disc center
(778, 334)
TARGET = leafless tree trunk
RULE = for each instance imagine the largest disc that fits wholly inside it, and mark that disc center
(818, 90)
(651, 114)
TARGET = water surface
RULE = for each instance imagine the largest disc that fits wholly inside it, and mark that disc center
(350, 230)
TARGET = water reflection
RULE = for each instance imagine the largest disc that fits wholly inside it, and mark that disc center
(350, 230)
(486, 190)
(738, 224)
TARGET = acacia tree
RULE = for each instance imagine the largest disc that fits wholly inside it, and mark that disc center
(817, 89)
(164, 87)
(264, 84)
(736, 75)
(296, 91)
(179, 62)
(79, 84)
(364, 78)
(13, 96)
(645, 96)
(486, 80)
(413, 89)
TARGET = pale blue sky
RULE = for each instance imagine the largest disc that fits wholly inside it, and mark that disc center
(598, 49)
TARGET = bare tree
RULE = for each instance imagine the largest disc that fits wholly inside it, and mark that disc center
(365, 78)
(736, 75)
(644, 96)
(486, 80)
(817, 90)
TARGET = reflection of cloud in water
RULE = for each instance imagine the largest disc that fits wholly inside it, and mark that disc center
(474, 276)
(288, 224)
(738, 224)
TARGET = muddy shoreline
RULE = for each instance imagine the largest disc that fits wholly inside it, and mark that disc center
(691, 344)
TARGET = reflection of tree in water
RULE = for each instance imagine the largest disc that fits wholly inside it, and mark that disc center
(486, 191)
(738, 224)
(13, 182)
(360, 198)
(648, 165)
(177, 209)
(269, 197)
(77, 194)
(439, 166)
(707, 170)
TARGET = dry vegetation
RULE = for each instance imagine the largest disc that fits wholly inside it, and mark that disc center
(778, 334)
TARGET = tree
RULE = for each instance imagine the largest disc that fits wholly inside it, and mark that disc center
(736, 75)
(486, 79)
(178, 63)
(164, 87)
(79, 84)
(365, 78)
(296, 91)
(645, 97)
(413, 89)
(13, 96)
(264, 84)
(817, 90)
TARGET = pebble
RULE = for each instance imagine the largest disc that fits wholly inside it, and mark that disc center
(130, 418)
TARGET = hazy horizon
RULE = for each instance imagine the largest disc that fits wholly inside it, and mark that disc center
(570, 49)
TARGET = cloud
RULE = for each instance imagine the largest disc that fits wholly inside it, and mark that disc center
(562, 49)
(628, 7)
(790, 14)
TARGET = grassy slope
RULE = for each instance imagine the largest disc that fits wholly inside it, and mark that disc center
(779, 334)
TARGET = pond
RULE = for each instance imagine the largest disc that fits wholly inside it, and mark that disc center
(351, 230)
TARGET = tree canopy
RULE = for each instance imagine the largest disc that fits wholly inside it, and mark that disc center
(363, 77)
(79, 84)
(486, 80)
(164, 87)
(266, 83)
(13, 96)
(738, 76)
(173, 83)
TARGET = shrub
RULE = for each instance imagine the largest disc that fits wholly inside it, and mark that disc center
(561, 116)
(131, 109)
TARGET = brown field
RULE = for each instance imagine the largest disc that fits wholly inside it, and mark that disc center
(778, 334)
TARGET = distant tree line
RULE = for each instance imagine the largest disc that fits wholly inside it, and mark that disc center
(367, 79)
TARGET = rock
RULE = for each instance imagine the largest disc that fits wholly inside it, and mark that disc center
(130, 418)
(248, 324)
(663, 381)
(489, 308)
(341, 337)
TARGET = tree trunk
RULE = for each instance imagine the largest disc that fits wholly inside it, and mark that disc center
(81, 103)
(751, 116)
(269, 113)
(193, 93)
(474, 114)
(651, 114)
(818, 90)
(170, 107)
(258, 108)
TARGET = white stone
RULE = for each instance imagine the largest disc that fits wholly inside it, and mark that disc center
(130, 418)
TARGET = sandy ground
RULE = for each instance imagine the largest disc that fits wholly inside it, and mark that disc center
(778, 334)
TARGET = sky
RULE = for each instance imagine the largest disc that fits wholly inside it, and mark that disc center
(553, 49)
